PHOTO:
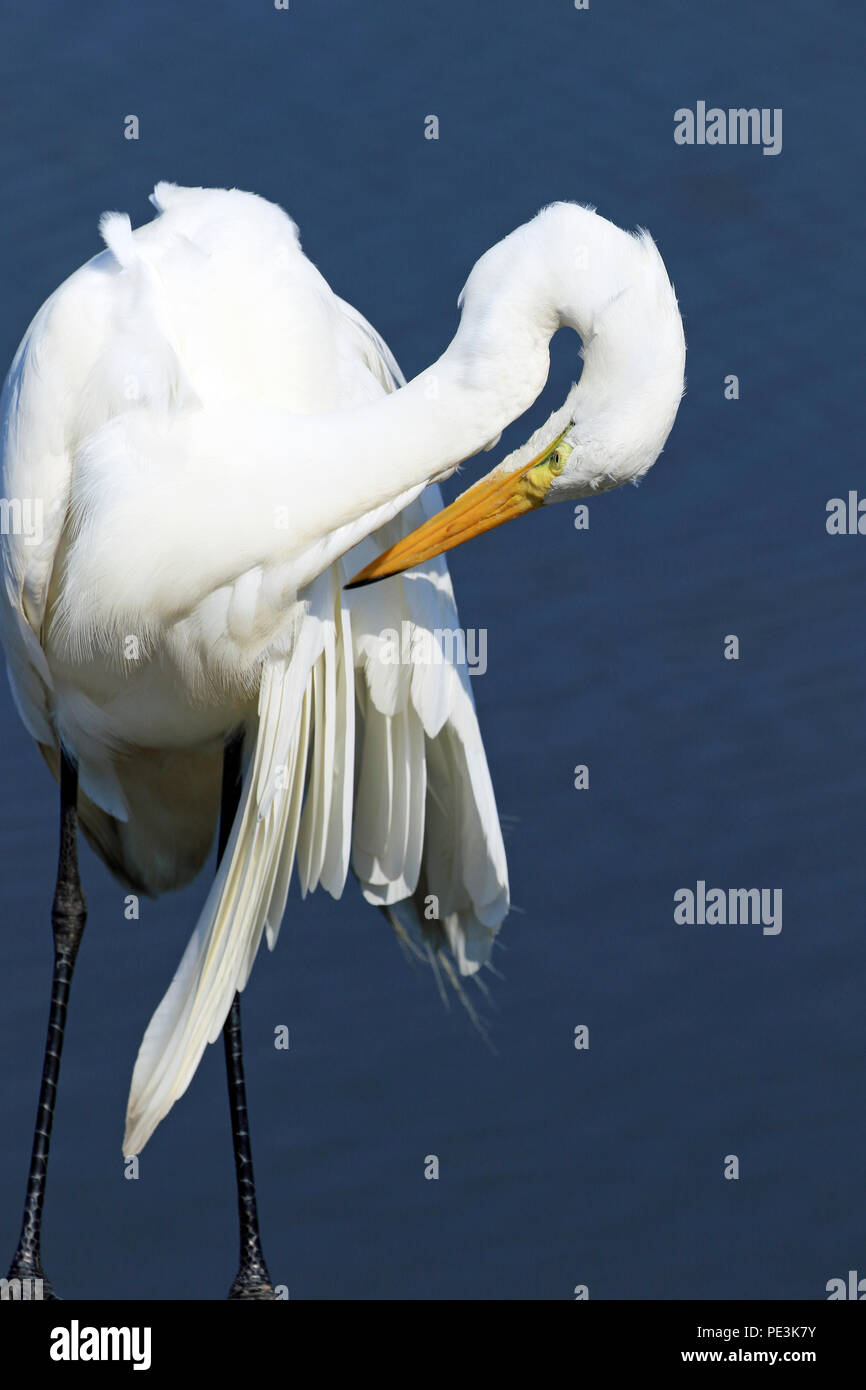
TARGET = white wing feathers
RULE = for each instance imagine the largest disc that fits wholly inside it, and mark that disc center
(425, 820)
(248, 892)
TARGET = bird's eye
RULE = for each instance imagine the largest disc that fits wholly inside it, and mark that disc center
(558, 457)
(557, 460)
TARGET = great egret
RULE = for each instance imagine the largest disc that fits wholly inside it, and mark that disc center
(201, 445)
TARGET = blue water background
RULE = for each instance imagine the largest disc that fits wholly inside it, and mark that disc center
(558, 1167)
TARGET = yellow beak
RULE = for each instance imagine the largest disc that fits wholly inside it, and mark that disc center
(488, 503)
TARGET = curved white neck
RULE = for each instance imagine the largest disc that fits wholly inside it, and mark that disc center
(567, 268)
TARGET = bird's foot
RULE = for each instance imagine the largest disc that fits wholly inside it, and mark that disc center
(249, 1285)
(252, 1279)
(26, 1280)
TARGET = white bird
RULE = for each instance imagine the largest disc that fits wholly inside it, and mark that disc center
(201, 445)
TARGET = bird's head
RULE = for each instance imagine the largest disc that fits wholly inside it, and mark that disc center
(614, 422)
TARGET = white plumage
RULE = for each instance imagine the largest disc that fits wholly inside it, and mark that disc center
(218, 444)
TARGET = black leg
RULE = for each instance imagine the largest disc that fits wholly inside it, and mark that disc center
(252, 1279)
(68, 915)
